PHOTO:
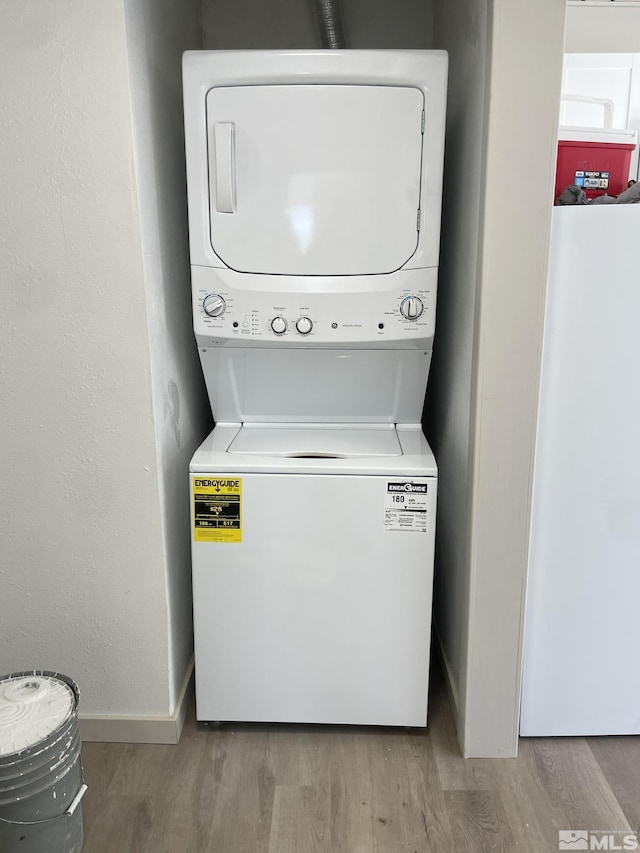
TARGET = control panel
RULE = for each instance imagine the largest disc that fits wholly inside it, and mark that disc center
(398, 311)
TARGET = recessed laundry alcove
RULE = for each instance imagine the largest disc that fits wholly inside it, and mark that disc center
(159, 32)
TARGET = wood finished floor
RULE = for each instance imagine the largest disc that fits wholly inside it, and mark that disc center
(312, 789)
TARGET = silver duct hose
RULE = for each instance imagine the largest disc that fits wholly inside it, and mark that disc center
(329, 17)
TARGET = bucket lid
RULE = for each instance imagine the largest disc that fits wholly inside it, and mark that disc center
(32, 707)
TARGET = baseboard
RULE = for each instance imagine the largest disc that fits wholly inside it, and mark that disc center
(449, 680)
(184, 698)
(113, 728)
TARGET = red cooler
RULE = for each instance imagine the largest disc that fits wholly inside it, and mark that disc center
(597, 160)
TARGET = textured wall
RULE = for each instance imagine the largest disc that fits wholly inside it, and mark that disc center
(82, 587)
(158, 31)
(254, 24)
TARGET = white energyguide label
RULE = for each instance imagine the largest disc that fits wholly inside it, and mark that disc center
(405, 506)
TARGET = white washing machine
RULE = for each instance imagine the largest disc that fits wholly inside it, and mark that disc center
(314, 187)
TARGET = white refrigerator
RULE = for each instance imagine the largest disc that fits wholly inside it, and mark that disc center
(581, 670)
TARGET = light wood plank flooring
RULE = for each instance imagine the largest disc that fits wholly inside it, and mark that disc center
(313, 789)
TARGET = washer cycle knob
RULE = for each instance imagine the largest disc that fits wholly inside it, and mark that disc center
(279, 325)
(214, 305)
(304, 325)
(411, 307)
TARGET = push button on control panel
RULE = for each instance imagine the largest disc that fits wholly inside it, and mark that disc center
(279, 325)
(304, 325)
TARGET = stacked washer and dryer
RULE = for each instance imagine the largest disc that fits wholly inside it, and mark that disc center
(314, 191)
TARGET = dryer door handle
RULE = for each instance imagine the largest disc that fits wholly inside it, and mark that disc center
(224, 166)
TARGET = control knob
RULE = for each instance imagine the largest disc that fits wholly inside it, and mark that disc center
(214, 305)
(411, 307)
(304, 325)
(279, 325)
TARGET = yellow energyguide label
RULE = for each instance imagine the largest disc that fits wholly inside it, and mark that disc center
(217, 508)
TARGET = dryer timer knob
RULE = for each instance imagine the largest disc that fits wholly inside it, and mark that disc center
(411, 307)
(214, 305)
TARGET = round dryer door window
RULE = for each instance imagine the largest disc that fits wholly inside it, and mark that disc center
(314, 180)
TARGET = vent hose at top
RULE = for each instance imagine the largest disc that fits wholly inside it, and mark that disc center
(329, 17)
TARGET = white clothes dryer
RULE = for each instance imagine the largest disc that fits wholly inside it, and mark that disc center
(314, 186)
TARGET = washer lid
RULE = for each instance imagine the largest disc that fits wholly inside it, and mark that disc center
(329, 442)
(314, 180)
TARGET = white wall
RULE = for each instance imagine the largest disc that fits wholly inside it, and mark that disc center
(81, 559)
(504, 102)
(254, 24)
(158, 31)
(524, 88)
(462, 28)
(602, 29)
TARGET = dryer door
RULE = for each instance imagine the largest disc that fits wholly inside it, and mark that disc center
(314, 180)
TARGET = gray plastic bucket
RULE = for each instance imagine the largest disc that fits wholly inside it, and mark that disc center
(41, 784)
